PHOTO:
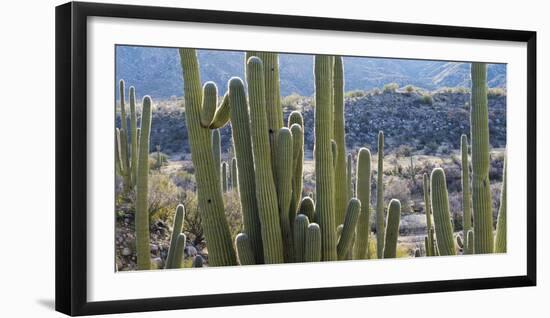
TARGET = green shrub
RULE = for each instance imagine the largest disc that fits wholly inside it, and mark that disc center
(409, 89)
(426, 99)
(291, 101)
(355, 94)
(391, 88)
(162, 196)
(496, 92)
(403, 151)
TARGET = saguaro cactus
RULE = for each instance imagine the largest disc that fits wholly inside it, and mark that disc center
(324, 175)
(234, 182)
(307, 208)
(298, 166)
(500, 239)
(244, 249)
(441, 214)
(178, 253)
(246, 176)
(217, 152)
(265, 185)
(466, 196)
(142, 210)
(392, 229)
(284, 164)
(341, 188)
(225, 185)
(133, 135)
(176, 230)
(479, 126)
(348, 232)
(380, 222)
(313, 243)
(301, 224)
(428, 207)
(363, 194)
(220, 245)
(349, 177)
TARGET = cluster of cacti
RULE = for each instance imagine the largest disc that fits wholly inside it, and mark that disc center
(132, 163)
(479, 237)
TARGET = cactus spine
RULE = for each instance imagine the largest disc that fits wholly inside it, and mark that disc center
(500, 239)
(265, 185)
(284, 164)
(441, 214)
(479, 125)
(244, 249)
(301, 224)
(142, 210)
(380, 222)
(244, 172)
(324, 175)
(221, 251)
(176, 231)
(392, 229)
(341, 197)
(313, 243)
(363, 194)
(348, 232)
(466, 196)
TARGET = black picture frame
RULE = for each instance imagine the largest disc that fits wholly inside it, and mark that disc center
(71, 157)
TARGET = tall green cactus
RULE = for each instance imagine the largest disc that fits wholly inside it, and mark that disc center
(124, 156)
(466, 196)
(481, 187)
(380, 222)
(274, 111)
(143, 248)
(217, 153)
(246, 176)
(133, 135)
(349, 177)
(441, 213)
(301, 223)
(313, 243)
(225, 185)
(307, 208)
(363, 184)
(284, 165)
(500, 239)
(324, 174)
(245, 252)
(298, 167)
(341, 197)
(234, 182)
(348, 232)
(178, 253)
(265, 185)
(176, 231)
(220, 245)
(392, 229)
(469, 242)
(428, 208)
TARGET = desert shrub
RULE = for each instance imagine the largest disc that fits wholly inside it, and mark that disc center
(398, 188)
(192, 225)
(184, 180)
(154, 163)
(376, 91)
(426, 99)
(403, 151)
(496, 92)
(391, 88)
(409, 89)
(431, 147)
(461, 90)
(355, 93)
(233, 213)
(162, 196)
(291, 101)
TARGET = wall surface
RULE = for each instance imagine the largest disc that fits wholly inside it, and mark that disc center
(27, 160)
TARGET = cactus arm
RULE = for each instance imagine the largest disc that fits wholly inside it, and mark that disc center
(441, 213)
(209, 102)
(298, 166)
(348, 232)
(466, 195)
(363, 189)
(307, 208)
(178, 253)
(500, 239)
(265, 186)
(301, 222)
(469, 243)
(143, 248)
(244, 170)
(392, 229)
(220, 248)
(217, 153)
(313, 243)
(118, 156)
(222, 115)
(481, 188)
(341, 196)
(176, 230)
(133, 134)
(245, 252)
(284, 164)
(324, 174)
(380, 222)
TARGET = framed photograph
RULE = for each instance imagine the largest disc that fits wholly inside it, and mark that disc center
(208, 158)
